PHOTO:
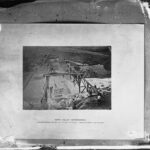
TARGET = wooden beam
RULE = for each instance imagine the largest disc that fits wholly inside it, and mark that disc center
(60, 73)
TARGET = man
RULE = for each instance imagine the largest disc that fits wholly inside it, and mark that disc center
(51, 91)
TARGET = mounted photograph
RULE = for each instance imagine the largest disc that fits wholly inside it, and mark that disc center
(67, 78)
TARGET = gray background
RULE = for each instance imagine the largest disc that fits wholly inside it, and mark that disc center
(107, 11)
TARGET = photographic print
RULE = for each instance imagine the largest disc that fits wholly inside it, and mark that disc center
(72, 81)
(66, 78)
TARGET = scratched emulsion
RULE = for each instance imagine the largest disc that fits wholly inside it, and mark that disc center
(100, 11)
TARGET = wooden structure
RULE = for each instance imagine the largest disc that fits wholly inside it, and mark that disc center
(78, 78)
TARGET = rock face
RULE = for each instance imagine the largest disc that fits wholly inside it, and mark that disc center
(97, 71)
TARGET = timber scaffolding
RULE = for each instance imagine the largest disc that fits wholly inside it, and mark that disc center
(78, 78)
